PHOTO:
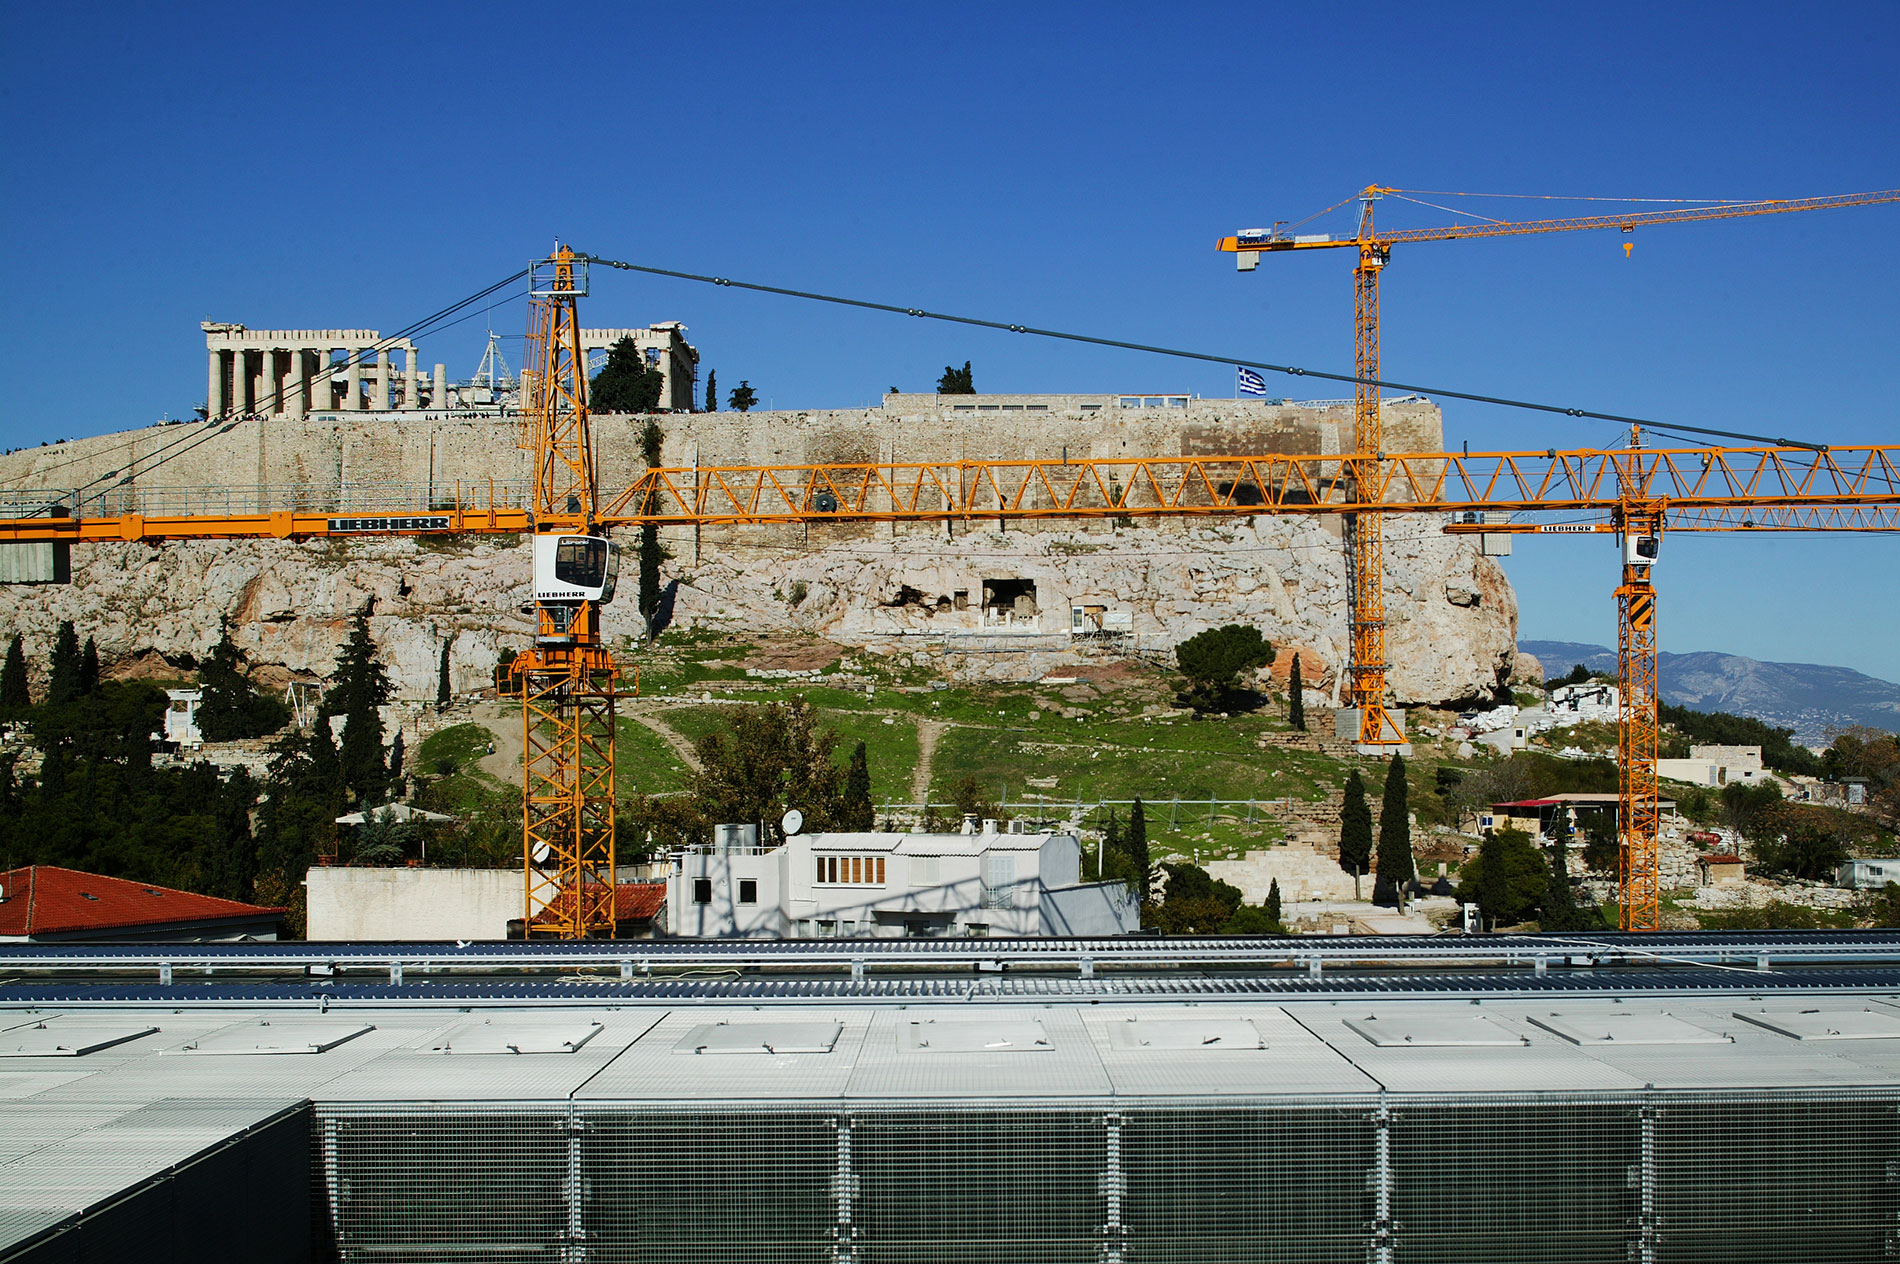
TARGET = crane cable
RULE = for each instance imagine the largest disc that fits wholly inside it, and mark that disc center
(1178, 353)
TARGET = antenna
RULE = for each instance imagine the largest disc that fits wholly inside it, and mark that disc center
(792, 822)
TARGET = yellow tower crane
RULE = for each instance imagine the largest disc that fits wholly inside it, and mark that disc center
(1365, 558)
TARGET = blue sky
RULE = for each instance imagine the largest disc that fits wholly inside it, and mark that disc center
(1063, 165)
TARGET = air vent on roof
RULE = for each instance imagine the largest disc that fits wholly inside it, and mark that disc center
(52, 1039)
(1185, 1035)
(932, 1035)
(517, 1037)
(1414, 1031)
(740, 1038)
(1628, 1029)
(1826, 1024)
(267, 1037)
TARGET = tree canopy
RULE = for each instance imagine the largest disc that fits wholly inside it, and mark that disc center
(1507, 879)
(359, 685)
(232, 707)
(956, 381)
(1355, 830)
(14, 696)
(1213, 662)
(626, 383)
(742, 398)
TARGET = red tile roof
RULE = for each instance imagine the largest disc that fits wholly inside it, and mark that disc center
(46, 900)
(633, 902)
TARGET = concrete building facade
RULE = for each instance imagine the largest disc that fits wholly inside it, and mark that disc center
(977, 883)
(1715, 766)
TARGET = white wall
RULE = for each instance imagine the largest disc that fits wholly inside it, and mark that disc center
(374, 905)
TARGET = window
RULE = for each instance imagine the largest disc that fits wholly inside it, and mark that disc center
(702, 890)
(851, 870)
(924, 871)
(580, 560)
(653, 357)
(748, 891)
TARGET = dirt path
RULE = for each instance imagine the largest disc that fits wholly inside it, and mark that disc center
(927, 733)
(671, 736)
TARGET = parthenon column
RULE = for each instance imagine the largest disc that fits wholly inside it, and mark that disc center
(440, 400)
(214, 383)
(297, 382)
(412, 382)
(353, 380)
(381, 397)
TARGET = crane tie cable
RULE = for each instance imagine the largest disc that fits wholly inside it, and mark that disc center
(1178, 353)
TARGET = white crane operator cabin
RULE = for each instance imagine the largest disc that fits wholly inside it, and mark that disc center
(569, 569)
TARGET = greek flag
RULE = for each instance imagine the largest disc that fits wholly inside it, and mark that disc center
(1251, 383)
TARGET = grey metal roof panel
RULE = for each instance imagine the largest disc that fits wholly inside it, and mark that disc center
(657, 1068)
(891, 1065)
(416, 1068)
(1294, 1061)
(1528, 1060)
(20, 1223)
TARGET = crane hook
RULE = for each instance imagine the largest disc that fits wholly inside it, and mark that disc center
(1627, 247)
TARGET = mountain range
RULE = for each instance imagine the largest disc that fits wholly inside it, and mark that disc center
(1810, 698)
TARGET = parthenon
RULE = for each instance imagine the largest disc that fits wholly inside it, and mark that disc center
(295, 371)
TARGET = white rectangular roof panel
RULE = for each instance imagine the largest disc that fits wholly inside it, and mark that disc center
(516, 1037)
(1829, 1023)
(1185, 1035)
(1002, 1035)
(760, 1038)
(275, 1036)
(56, 1038)
(1632, 1028)
(1400, 1029)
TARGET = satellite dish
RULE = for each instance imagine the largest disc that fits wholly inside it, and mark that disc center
(541, 853)
(792, 822)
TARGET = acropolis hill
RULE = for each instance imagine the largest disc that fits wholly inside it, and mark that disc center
(976, 601)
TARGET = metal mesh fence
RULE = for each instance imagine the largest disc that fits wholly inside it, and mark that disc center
(1657, 1178)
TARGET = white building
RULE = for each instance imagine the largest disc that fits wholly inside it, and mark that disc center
(975, 883)
(1715, 766)
(181, 719)
(1866, 875)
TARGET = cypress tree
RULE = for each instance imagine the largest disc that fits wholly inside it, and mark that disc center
(64, 684)
(1296, 694)
(1355, 831)
(857, 812)
(14, 696)
(1137, 847)
(442, 692)
(712, 391)
(1273, 900)
(1561, 911)
(1395, 838)
(395, 767)
(651, 441)
(89, 669)
(361, 685)
(231, 867)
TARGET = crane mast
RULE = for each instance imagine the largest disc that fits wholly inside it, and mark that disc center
(566, 681)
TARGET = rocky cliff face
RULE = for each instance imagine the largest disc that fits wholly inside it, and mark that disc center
(1452, 617)
(972, 600)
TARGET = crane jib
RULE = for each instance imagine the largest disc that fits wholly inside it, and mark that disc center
(361, 526)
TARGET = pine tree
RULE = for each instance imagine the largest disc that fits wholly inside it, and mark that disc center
(1561, 911)
(442, 691)
(712, 391)
(231, 706)
(1395, 839)
(14, 696)
(627, 384)
(956, 381)
(1296, 694)
(360, 686)
(1136, 847)
(743, 398)
(89, 669)
(64, 684)
(1355, 831)
(651, 444)
(856, 812)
